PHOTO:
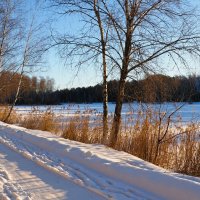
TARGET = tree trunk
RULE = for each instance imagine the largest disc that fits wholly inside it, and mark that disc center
(25, 60)
(118, 108)
(16, 98)
(105, 100)
(105, 89)
(124, 71)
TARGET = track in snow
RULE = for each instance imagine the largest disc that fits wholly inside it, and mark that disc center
(22, 179)
(39, 165)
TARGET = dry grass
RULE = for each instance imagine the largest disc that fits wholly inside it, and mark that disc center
(39, 120)
(154, 138)
(186, 154)
(14, 117)
(151, 136)
(81, 128)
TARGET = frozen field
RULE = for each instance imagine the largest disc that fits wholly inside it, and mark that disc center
(188, 112)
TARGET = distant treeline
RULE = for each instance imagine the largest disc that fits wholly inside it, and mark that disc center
(153, 88)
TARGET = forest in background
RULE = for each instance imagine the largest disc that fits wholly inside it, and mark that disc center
(153, 88)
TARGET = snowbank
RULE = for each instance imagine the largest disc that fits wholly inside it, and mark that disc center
(119, 166)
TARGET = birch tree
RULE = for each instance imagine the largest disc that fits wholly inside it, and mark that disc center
(31, 48)
(88, 45)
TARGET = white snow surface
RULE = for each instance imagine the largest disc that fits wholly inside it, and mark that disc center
(188, 113)
(37, 165)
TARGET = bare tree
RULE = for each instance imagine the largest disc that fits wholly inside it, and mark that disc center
(87, 44)
(103, 41)
(32, 48)
(145, 32)
(10, 36)
(140, 35)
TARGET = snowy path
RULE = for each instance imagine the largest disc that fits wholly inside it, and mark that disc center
(24, 179)
(31, 159)
(36, 165)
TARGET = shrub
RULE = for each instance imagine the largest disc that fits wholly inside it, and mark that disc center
(37, 119)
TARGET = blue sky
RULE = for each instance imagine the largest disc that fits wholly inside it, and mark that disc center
(65, 76)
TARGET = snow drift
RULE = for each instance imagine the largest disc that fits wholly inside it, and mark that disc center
(98, 161)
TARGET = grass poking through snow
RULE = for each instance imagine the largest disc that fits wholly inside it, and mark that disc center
(150, 135)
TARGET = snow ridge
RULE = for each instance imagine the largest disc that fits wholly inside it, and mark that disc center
(109, 173)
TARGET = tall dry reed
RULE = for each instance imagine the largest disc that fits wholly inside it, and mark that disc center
(153, 135)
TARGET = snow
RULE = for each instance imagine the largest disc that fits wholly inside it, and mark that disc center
(188, 112)
(30, 181)
(39, 165)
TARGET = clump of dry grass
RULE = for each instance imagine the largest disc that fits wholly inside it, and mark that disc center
(155, 138)
(187, 151)
(81, 128)
(39, 120)
(14, 117)
(71, 129)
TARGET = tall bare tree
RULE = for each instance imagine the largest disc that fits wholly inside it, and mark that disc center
(141, 34)
(144, 32)
(87, 44)
(10, 35)
(103, 41)
(31, 48)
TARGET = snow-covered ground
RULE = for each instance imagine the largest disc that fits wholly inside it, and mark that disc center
(36, 165)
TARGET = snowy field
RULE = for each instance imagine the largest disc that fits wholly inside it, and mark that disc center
(189, 112)
(36, 165)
